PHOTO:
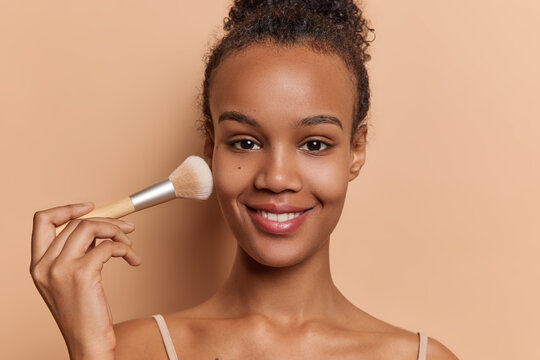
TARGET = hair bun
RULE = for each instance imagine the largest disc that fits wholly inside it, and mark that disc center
(339, 11)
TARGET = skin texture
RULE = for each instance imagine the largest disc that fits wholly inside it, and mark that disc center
(280, 300)
(283, 170)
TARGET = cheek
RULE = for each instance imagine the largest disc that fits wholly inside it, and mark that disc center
(230, 175)
(324, 178)
(327, 179)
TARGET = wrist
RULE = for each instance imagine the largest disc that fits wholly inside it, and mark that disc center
(96, 349)
(89, 353)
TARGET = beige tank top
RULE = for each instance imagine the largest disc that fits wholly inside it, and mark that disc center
(171, 353)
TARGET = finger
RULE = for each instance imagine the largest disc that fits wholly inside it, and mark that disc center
(92, 245)
(98, 256)
(45, 223)
(125, 225)
(58, 243)
(86, 231)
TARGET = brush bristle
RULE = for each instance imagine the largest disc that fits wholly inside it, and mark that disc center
(192, 179)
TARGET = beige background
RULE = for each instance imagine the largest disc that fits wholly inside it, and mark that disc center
(440, 232)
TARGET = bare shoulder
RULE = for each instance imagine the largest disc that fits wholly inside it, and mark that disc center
(393, 342)
(141, 338)
(437, 351)
(138, 339)
(403, 344)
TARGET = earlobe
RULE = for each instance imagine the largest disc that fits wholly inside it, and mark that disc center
(358, 152)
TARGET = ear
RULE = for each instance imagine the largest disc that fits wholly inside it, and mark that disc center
(358, 152)
(208, 150)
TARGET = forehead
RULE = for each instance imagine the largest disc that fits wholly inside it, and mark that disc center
(266, 80)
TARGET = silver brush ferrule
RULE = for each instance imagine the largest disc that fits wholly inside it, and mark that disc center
(153, 195)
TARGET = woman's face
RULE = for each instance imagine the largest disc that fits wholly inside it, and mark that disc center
(281, 156)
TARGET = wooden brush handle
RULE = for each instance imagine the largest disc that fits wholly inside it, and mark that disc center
(115, 210)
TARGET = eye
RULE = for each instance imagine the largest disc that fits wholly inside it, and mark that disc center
(245, 144)
(314, 146)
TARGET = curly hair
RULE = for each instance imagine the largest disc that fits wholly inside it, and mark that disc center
(326, 26)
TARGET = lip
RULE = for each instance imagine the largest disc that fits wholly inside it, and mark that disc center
(277, 209)
(277, 227)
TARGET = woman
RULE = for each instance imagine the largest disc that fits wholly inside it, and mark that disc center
(285, 100)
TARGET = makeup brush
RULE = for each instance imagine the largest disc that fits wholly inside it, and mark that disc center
(191, 180)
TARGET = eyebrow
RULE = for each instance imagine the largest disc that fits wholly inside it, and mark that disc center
(237, 116)
(308, 121)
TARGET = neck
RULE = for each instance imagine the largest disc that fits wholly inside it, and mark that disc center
(293, 294)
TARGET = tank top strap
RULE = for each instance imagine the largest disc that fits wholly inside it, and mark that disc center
(422, 346)
(166, 336)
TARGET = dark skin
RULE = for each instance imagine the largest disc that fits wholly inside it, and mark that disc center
(280, 300)
(270, 145)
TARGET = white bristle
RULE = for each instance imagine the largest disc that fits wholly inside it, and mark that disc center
(192, 179)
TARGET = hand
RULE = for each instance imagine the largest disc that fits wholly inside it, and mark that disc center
(66, 270)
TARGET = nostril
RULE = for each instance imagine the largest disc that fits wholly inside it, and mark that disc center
(278, 179)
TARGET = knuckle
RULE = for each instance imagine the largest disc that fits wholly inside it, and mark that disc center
(86, 225)
(33, 270)
(57, 273)
(119, 232)
(37, 274)
(128, 249)
(39, 216)
(107, 245)
(74, 223)
(115, 225)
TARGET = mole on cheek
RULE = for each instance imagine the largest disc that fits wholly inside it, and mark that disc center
(239, 167)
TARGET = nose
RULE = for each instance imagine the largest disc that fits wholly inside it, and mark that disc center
(278, 172)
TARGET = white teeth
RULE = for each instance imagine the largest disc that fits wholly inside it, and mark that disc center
(278, 217)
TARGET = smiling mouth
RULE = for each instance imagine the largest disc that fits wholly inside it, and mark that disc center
(278, 220)
(279, 217)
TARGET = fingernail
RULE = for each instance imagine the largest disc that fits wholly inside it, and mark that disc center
(86, 203)
(128, 223)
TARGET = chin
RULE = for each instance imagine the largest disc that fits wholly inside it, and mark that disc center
(280, 253)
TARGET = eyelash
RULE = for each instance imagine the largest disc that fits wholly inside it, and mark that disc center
(236, 144)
